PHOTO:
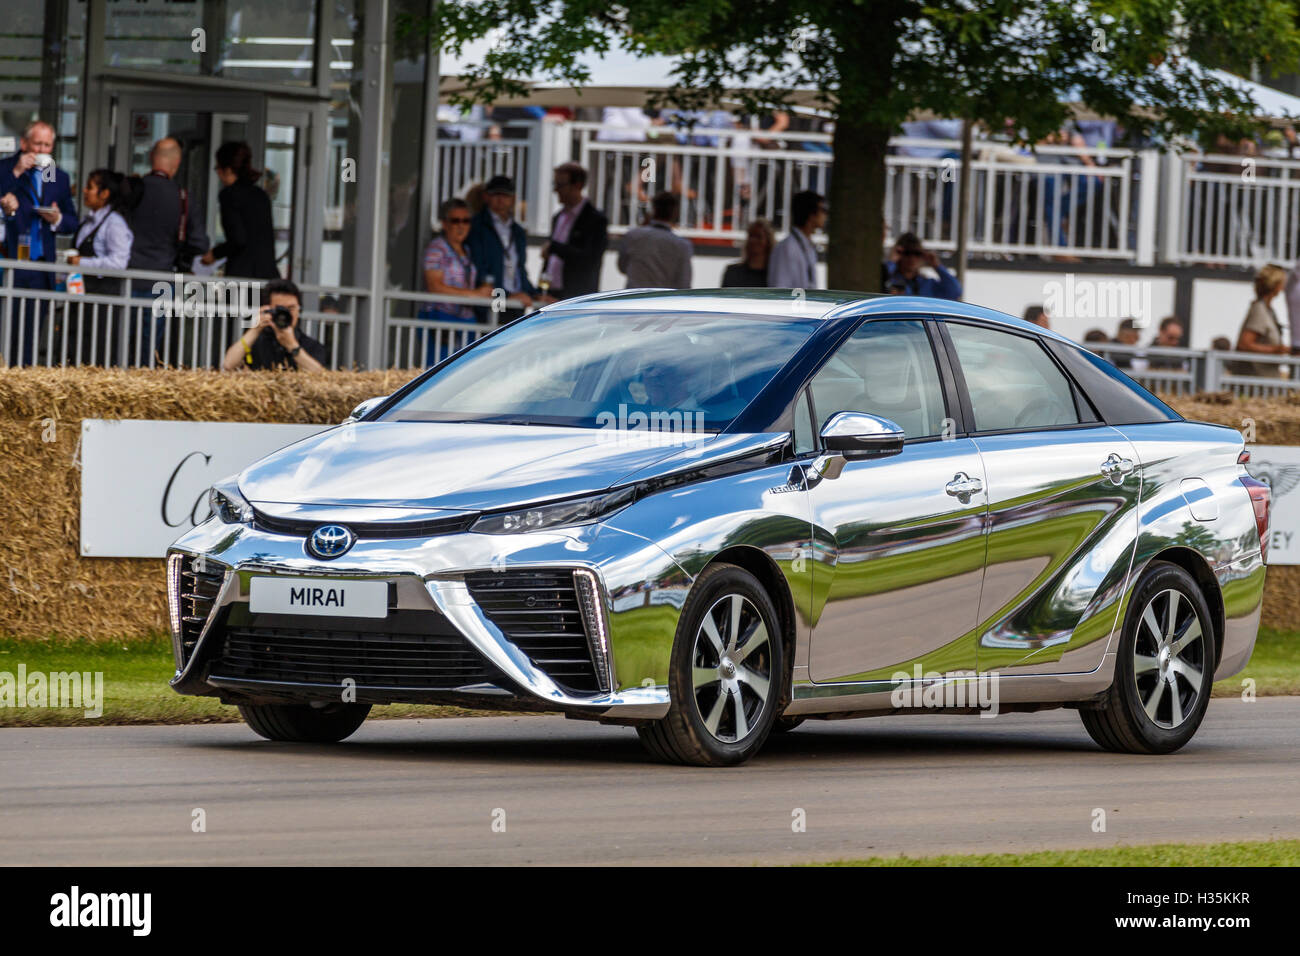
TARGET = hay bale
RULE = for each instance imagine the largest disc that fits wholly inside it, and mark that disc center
(50, 591)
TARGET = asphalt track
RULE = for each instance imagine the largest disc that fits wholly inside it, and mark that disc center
(438, 792)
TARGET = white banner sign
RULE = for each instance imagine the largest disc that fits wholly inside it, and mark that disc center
(1278, 466)
(144, 484)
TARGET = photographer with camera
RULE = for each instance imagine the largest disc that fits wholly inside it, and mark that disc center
(275, 342)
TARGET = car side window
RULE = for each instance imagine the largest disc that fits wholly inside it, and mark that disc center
(1012, 381)
(885, 369)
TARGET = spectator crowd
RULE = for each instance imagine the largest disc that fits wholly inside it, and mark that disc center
(148, 222)
(138, 222)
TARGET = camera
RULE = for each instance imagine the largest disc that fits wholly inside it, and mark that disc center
(282, 317)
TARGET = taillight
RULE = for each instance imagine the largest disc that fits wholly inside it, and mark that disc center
(1243, 458)
(1260, 499)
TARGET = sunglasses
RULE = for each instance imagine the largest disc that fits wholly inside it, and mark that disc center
(460, 221)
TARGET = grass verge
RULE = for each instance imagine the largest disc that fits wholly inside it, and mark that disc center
(136, 672)
(1262, 853)
(1274, 666)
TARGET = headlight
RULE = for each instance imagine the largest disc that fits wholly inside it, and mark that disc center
(557, 515)
(228, 504)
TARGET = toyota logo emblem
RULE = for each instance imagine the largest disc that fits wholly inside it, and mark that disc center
(330, 540)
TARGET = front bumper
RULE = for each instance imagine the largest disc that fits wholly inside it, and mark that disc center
(629, 592)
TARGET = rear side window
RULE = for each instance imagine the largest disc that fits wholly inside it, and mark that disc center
(1012, 382)
(1119, 399)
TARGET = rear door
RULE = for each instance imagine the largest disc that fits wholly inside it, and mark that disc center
(1063, 492)
(900, 538)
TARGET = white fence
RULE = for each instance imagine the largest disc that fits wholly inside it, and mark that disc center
(190, 322)
(160, 319)
(1237, 210)
(1173, 371)
(1100, 203)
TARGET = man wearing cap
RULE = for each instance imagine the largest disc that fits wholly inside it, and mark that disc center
(497, 245)
(36, 200)
(906, 278)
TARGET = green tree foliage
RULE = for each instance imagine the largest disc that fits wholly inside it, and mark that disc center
(872, 64)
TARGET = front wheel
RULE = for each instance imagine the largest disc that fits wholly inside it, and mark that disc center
(726, 675)
(1163, 669)
(304, 723)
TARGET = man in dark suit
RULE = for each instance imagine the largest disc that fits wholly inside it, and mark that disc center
(497, 245)
(572, 258)
(168, 228)
(36, 199)
(167, 224)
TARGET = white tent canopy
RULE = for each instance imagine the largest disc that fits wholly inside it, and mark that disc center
(619, 78)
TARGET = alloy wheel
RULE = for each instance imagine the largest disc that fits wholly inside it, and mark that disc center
(731, 668)
(1169, 659)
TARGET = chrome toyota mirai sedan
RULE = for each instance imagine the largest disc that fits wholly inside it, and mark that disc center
(712, 515)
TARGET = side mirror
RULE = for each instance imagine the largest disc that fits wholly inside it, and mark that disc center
(858, 435)
(365, 408)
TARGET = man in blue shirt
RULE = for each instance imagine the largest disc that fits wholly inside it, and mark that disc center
(904, 276)
(36, 200)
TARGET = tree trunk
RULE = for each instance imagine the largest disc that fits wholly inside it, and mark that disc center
(857, 199)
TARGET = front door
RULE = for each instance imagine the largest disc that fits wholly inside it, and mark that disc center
(899, 587)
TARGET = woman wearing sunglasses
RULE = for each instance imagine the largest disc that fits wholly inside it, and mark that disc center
(448, 270)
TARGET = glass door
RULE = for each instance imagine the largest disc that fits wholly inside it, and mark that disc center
(201, 122)
(291, 177)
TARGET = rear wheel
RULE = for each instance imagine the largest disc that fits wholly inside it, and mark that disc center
(304, 723)
(726, 675)
(1163, 669)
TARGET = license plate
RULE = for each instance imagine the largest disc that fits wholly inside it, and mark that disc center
(324, 597)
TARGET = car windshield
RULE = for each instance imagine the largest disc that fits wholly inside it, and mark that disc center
(691, 372)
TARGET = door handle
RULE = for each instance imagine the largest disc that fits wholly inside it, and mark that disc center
(1116, 468)
(963, 486)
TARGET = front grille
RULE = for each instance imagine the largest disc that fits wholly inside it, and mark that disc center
(370, 529)
(198, 590)
(537, 610)
(410, 649)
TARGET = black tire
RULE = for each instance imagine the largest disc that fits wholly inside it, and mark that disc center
(784, 725)
(303, 723)
(1138, 715)
(737, 721)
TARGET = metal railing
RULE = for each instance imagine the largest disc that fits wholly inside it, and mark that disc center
(463, 164)
(415, 339)
(726, 178)
(1057, 200)
(157, 319)
(1086, 202)
(148, 319)
(1237, 210)
(1178, 371)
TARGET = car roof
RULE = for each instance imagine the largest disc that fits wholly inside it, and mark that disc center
(817, 305)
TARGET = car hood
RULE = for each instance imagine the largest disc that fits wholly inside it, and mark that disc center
(469, 467)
